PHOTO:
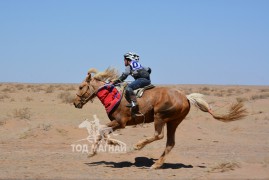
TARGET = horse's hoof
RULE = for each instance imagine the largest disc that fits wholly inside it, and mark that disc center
(114, 143)
(156, 166)
(137, 147)
(91, 155)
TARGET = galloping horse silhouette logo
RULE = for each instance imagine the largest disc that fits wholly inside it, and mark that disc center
(96, 130)
(99, 137)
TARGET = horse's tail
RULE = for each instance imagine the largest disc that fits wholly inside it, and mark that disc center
(236, 111)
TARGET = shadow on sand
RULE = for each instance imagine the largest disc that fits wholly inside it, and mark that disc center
(141, 162)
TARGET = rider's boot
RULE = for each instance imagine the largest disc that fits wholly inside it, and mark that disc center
(131, 98)
(133, 102)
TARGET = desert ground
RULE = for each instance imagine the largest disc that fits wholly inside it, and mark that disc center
(39, 125)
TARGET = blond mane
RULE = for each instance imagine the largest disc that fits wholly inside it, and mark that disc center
(109, 74)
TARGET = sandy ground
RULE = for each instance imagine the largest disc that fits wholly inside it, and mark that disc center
(38, 127)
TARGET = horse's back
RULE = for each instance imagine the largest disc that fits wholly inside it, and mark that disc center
(165, 93)
(168, 101)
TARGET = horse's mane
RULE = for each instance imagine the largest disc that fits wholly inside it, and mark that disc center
(109, 74)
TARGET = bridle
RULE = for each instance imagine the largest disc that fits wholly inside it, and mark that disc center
(84, 100)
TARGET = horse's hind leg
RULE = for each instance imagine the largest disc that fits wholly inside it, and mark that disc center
(157, 136)
(171, 129)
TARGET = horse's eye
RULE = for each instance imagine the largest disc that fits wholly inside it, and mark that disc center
(80, 87)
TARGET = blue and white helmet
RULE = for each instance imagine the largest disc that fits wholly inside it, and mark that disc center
(131, 56)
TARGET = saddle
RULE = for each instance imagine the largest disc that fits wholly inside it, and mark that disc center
(139, 92)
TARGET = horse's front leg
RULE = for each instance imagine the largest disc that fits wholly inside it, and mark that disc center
(159, 134)
(95, 146)
(115, 125)
(105, 132)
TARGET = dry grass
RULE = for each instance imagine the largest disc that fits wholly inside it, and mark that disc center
(218, 94)
(259, 96)
(71, 88)
(2, 122)
(66, 87)
(61, 88)
(224, 167)
(4, 96)
(23, 113)
(266, 118)
(205, 91)
(9, 89)
(45, 127)
(264, 90)
(35, 88)
(28, 133)
(231, 91)
(217, 91)
(66, 97)
(50, 89)
(241, 99)
(19, 86)
(184, 90)
(28, 99)
(62, 132)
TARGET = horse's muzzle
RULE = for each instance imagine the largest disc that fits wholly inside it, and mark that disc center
(78, 105)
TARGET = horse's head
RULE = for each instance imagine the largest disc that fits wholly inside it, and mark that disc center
(87, 90)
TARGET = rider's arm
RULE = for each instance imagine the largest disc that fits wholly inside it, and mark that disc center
(125, 74)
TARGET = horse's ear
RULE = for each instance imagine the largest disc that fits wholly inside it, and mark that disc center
(88, 78)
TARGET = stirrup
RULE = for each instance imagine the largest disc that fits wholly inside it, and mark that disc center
(132, 104)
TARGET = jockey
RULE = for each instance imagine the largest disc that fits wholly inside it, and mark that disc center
(140, 74)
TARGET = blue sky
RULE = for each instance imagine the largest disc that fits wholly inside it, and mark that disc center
(184, 42)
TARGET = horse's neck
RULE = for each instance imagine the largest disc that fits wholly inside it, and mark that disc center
(98, 84)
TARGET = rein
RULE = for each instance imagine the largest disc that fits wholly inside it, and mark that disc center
(85, 100)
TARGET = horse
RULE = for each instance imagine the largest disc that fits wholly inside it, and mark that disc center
(161, 105)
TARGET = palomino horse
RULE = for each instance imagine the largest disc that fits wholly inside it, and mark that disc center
(161, 105)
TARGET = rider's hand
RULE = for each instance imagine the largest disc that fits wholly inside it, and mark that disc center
(116, 81)
(149, 70)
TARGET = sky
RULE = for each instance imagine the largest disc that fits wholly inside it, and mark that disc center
(224, 42)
